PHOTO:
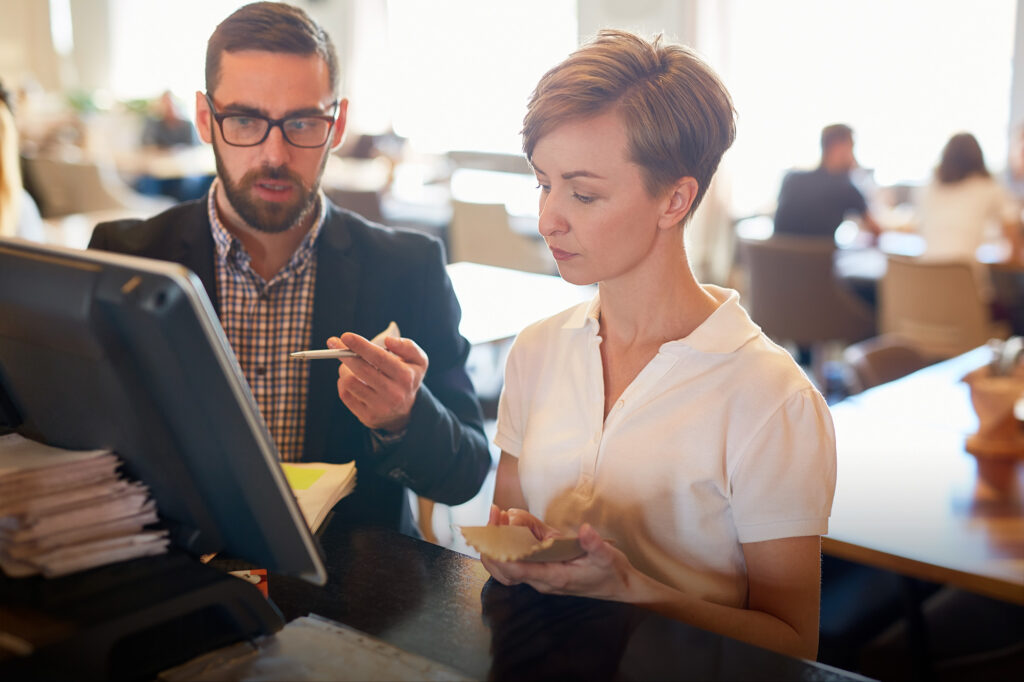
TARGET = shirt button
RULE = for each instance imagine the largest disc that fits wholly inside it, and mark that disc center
(264, 297)
(261, 371)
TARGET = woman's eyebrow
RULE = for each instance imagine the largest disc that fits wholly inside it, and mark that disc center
(581, 174)
(572, 174)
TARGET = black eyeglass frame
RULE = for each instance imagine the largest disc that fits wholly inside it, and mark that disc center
(271, 124)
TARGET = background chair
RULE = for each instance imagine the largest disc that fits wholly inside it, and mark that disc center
(66, 187)
(792, 293)
(481, 233)
(1008, 293)
(365, 202)
(74, 196)
(881, 359)
(936, 306)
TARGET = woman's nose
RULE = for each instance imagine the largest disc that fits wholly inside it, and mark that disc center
(550, 220)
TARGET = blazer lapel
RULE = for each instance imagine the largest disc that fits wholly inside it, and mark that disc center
(334, 309)
(195, 250)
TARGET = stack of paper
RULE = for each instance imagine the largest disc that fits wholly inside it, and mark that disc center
(318, 487)
(63, 511)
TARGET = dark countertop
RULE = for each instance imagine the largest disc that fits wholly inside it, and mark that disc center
(133, 619)
(441, 604)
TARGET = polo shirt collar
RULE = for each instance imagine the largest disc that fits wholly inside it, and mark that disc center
(724, 331)
(585, 315)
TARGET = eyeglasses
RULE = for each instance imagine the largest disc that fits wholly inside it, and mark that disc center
(249, 130)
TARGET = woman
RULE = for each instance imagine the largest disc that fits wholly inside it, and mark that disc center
(19, 216)
(964, 206)
(656, 416)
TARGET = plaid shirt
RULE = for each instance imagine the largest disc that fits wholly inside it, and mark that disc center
(264, 322)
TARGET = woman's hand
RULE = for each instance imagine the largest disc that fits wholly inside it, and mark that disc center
(513, 517)
(603, 572)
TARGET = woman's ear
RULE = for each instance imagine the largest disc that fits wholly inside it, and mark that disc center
(679, 199)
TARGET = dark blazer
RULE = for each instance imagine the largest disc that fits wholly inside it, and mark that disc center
(367, 275)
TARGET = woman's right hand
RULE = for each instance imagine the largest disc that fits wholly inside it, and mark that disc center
(513, 517)
(521, 517)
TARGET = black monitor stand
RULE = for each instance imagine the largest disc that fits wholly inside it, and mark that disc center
(129, 620)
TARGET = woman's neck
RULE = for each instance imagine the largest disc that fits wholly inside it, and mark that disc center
(654, 305)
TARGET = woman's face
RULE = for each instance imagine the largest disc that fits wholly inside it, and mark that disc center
(595, 213)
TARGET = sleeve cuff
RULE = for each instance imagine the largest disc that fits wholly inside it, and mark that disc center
(506, 444)
(775, 530)
(382, 439)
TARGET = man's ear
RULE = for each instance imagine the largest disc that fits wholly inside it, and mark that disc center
(339, 125)
(678, 201)
(204, 118)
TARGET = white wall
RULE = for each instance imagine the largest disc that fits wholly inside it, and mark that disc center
(91, 26)
(1017, 87)
(26, 49)
(677, 20)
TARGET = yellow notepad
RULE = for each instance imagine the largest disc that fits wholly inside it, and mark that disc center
(319, 486)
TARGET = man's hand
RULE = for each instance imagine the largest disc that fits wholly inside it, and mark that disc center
(379, 386)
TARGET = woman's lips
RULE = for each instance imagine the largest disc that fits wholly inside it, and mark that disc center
(559, 254)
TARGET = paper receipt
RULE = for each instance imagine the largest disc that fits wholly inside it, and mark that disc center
(517, 543)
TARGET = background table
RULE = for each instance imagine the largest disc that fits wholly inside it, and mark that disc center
(909, 497)
(497, 303)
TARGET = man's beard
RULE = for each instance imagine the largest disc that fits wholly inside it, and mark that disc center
(265, 216)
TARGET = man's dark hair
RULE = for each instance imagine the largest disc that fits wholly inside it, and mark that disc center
(270, 27)
(833, 134)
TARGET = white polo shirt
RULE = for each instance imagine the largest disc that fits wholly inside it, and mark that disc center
(720, 440)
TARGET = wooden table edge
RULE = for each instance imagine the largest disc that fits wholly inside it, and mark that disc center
(988, 586)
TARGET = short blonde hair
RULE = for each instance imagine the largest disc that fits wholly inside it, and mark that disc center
(678, 115)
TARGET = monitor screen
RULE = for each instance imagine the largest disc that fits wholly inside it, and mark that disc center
(100, 350)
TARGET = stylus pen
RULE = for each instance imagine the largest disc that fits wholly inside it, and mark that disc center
(324, 354)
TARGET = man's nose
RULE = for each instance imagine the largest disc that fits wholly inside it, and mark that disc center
(276, 150)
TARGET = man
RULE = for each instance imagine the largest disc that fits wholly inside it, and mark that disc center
(286, 270)
(814, 203)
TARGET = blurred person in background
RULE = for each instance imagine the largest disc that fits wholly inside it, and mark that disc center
(166, 130)
(19, 215)
(964, 206)
(813, 203)
(168, 127)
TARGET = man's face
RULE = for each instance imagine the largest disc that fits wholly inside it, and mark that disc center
(843, 153)
(272, 186)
